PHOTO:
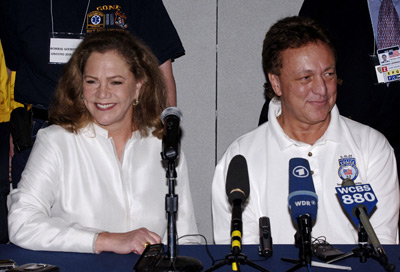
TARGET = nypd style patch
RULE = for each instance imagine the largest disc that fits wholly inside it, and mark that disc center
(348, 168)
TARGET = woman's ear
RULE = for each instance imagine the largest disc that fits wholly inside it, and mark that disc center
(139, 84)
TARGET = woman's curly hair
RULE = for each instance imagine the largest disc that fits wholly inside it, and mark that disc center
(68, 109)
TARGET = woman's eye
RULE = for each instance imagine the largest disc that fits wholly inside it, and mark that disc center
(116, 83)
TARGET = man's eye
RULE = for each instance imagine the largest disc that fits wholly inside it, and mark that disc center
(330, 74)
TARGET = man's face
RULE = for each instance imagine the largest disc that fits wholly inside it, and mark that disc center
(307, 84)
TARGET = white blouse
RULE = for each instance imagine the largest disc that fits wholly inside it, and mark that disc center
(74, 186)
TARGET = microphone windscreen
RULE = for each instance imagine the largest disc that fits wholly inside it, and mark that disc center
(171, 111)
(237, 180)
(302, 197)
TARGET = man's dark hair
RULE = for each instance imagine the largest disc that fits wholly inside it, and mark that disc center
(290, 32)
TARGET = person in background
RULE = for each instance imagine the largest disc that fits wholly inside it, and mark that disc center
(360, 97)
(7, 104)
(30, 27)
(304, 122)
(95, 180)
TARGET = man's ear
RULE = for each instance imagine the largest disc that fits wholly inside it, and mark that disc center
(275, 83)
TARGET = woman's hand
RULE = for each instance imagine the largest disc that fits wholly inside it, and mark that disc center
(123, 243)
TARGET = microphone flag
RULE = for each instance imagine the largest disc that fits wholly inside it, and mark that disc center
(354, 196)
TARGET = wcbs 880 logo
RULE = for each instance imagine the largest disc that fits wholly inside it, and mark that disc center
(352, 196)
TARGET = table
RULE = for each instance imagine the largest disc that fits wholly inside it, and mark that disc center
(106, 261)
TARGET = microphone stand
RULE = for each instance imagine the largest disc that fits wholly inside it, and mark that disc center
(236, 261)
(364, 250)
(171, 262)
(303, 242)
(236, 258)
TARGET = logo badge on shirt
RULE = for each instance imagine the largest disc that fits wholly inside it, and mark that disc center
(120, 20)
(95, 21)
(107, 17)
(348, 168)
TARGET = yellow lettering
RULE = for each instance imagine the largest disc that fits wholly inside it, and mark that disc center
(109, 7)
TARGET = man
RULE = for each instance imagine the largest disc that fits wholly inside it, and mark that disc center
(299, 63)
(359, 96)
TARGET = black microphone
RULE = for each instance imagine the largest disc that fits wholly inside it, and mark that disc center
(265, 248)
(171, 117)
(302, 204)
(237, 190)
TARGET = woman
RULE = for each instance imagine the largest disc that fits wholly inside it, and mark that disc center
(95, 179)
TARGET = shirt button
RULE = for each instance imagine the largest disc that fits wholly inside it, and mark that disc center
(309, 154)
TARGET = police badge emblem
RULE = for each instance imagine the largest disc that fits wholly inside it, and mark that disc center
(347, 168)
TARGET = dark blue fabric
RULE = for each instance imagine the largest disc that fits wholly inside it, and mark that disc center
(20, 159)
(106, 261)
(4, 179)
(27, 27)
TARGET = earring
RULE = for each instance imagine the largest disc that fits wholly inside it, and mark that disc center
(135, 102)
(81, 96)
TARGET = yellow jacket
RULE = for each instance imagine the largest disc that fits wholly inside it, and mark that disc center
(7, 103)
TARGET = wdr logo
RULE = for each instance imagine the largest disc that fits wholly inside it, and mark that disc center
(306, 203)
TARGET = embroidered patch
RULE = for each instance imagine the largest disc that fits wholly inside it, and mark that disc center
(95, 21)
(348, 168)
(120, 20)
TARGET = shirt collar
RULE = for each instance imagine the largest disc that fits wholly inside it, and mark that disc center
(284, 141)
(94, 130)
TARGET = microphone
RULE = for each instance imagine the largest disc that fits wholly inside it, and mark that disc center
(237, 190)
(303, 203)
(359, 201)
(302, 197)
(171, 117)
(265, 248)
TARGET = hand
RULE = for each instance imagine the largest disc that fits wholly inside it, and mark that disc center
(127, 242)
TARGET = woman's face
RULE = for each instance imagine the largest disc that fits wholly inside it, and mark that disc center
(109, 88)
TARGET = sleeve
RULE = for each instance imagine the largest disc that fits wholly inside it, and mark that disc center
(157, 30)
(31, 224)
(9, 13)
(221, 210)
(313, 8)
(186, 221)
(382, 175)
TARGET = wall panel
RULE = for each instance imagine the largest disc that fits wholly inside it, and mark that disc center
(219, 80)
